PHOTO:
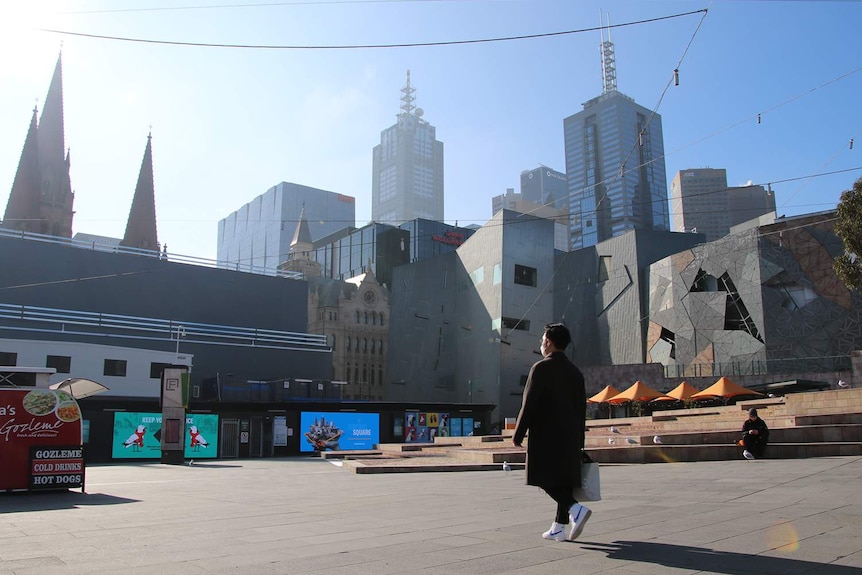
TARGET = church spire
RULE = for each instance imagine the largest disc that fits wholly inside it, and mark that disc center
(57, 197)
(22, 208)
(42, 197)
(52, 140)
(141, 227)
(302, 234)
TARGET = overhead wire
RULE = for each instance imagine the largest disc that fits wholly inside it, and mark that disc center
(252, 5)
(360, 46)
(731, 126)
(826, 163)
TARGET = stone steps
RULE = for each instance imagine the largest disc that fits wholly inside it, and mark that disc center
(816, 424)
(713, 452)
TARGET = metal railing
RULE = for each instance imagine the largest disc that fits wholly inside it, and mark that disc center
(154, 254)
(134, 327)
(767, 367)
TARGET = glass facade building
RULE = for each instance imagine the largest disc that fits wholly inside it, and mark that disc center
(615, 170)
(259, 233)
(346, 254)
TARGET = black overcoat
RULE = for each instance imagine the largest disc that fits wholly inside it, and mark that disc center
(553, 411)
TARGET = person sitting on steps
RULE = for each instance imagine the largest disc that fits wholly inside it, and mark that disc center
(755, 435)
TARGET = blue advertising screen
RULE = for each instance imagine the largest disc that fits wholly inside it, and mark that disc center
(338, 431)
(138, 435)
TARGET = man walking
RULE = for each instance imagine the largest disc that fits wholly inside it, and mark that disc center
(553, 410)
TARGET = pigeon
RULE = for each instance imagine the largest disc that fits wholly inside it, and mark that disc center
(657, 440)
(631, 441)
(611, 441)
(614, 429)
(506, 466)
(843, 384)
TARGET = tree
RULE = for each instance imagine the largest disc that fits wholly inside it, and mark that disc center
(848, 267)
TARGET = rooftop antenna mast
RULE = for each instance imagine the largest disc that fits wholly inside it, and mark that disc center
(407, 97)
(609, 65)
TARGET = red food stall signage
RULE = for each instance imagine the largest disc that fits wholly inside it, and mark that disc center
(33, 423)
(56, 467)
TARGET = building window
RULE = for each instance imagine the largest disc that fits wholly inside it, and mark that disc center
(512, 323)
(380, 346)
(373, 345)
(8, 358)
(348, 343)
(366, 317)
(373, 318)
(62, 363)
(381, 319)
(478, 275)
(604, 268)
(364, 345)
(357, 316)
(156, 370)
(115, 367)
(525, 276)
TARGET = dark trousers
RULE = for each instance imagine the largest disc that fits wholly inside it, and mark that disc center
(754, 443)
(565, 500)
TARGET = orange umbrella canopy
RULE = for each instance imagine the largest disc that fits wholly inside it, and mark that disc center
(608, 392)
(638, 391)
(724, 387)
(681, 392)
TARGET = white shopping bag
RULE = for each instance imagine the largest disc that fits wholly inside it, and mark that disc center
(591, 487)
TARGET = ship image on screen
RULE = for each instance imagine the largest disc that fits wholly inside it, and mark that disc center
(323, 435)
(338, 431)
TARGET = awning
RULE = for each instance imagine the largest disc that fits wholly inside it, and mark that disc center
(608, 392)
(638, 391)
(79, 388)
(679, 393)
(725, 388)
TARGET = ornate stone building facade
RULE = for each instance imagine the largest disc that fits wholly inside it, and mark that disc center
(354, 316)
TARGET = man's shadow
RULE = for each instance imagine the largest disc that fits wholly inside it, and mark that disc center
(712, 561)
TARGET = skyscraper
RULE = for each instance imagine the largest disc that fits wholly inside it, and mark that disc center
(545, 186)
(702, 202)
(614, 165)
(407, 169)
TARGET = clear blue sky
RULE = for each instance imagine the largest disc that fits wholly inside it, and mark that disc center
(229, 123)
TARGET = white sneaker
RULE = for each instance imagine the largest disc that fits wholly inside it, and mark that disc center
(557, 532)
(578, 515)
(747, 454)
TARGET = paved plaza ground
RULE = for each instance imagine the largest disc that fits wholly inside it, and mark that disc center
(276, 516)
